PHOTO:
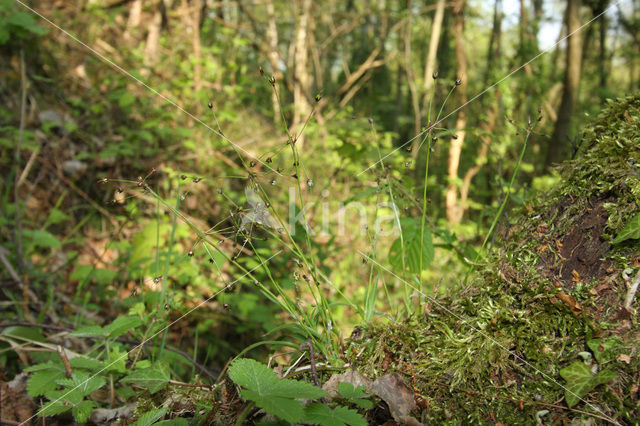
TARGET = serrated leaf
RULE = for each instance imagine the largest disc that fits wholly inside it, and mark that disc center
(53, 408)
(82, 411)
(152, 416)
(580, 381)
(154, 378)
(86, 363)
(252, 375)
(411, 236)
(90, 331)
(296, 389)
(630, 231)
(121, 325)
(178, 421)
(285, 408)
(44, 381)
(323, 415)
(355, 395)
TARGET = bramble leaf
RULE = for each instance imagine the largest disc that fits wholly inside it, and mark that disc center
(153, 378)
(270, 393)
(152, 416)
(121, 325)
(323, 415)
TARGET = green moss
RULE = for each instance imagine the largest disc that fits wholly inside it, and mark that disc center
(493, 351)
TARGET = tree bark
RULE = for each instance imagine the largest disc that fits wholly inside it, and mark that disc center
(273, 56)
(302, 79)
(454, 210)
(429, 68)
(558, 144)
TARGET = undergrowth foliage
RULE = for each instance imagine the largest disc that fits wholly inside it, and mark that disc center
(260, 264)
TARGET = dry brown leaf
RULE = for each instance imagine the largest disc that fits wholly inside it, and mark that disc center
(571, 302)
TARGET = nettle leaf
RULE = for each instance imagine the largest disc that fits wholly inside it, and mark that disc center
(411, 236)
(580, 381)
(270, 393)
(152, 416)
(630, 231)
(323, 415)
(121, 325)
(153, 378)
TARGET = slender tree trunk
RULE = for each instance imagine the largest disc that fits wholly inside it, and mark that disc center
(302, 77)
(273, 56)
(490, 104)
(133, 21)
(151, 49)
(454, 210)
(558, 145)
(430, 66)
(197, 51)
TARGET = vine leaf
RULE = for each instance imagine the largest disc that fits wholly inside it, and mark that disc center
(580, 381)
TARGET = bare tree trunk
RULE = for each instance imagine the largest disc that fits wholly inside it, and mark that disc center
(411, 81)
(151, 48)
(135, 12)
(558, 145)
(436, 29)
(273, 56)
(454, 210)
(429, 68)
(197, 53)
(490, 104)
(301, 106)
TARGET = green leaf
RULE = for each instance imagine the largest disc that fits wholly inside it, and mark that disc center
(630, 231)
(152, 416)
(44, 381)
(179, 421)
(153, 378)
(27, 333)
(121, 325)
(580, 381)
(355, 395)
(270, 393)
(286, 408)
(41, 238)
(604, 351)
(323, 415)
(86, 363)
(251, 374)
(411, 234)
(82, 411)
(90, 331)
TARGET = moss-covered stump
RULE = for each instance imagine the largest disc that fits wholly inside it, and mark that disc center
(541, 333)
